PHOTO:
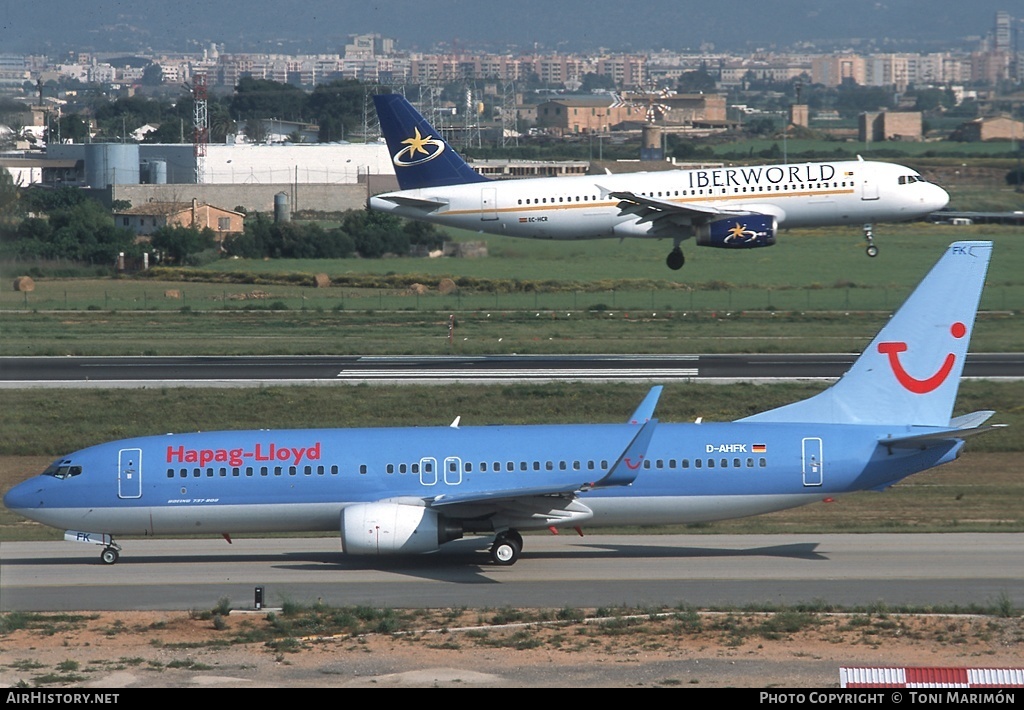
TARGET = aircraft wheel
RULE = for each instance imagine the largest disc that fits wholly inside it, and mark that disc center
(675, 259)
(872, 250)
(505, 551)
(109, 556)
(516, 537)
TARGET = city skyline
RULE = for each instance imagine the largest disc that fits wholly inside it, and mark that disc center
(321, 26)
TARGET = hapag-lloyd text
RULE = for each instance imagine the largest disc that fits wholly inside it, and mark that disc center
(236, 457)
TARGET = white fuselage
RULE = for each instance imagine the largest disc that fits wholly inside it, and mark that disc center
(580, 207)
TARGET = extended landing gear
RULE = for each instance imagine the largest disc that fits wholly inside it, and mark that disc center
(109, 556)
(871, 250)
(675, 259)
(506, 548)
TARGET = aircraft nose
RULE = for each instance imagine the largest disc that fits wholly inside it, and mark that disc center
(937, 198)
(22, 497)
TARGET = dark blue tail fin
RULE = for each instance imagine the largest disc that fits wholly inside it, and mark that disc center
(421, 157)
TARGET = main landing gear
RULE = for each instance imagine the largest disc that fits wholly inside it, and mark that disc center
(507, 546)
(110, 553)
(675, 259)
(872, 250)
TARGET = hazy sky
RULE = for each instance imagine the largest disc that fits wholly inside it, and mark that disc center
(323, 25)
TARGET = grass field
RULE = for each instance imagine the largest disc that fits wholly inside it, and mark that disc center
(814, 291)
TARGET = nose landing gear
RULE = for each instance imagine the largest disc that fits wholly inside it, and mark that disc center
(871, 250)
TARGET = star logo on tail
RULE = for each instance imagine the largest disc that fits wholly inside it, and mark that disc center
(418, 150)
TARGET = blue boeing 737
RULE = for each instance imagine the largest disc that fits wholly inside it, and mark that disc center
(410, 490)
(730, 208)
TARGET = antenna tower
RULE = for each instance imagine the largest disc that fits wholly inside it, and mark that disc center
(509, 129)
(201, 123)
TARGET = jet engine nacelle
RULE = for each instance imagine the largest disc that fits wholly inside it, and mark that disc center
(387, 528)
(746, 232)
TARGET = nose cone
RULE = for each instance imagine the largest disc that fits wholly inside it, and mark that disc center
(936, 199)
(24, 496)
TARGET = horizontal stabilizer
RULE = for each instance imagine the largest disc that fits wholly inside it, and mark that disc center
(417, 202)
(973, 419)
(936, 438)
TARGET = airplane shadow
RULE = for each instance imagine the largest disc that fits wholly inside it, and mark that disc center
(459, 562)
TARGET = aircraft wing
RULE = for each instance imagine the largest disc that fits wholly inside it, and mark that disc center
(622, 473)
(669, 215)
(662, 212)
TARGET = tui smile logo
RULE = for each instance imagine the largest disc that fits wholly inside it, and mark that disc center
(911, 383)
(418, 150)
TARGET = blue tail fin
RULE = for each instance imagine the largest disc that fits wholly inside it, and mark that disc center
(910, 373)
(421, 157)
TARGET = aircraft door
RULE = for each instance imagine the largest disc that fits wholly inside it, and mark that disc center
(129, 473)
(488, 204)
(813, 464)
(453, 470)
(428, 471)
(868, 189)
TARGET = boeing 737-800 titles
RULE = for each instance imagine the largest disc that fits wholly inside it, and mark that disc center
(732, 208)
(410, 490)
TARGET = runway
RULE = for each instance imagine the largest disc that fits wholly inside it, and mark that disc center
(706, 571)
(208, 371)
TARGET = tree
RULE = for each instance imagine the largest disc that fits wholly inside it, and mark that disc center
(75, 229)
(337, 107)
(696, 82)
(760, 126)
(375, 233)
(153, 75)
(180, 244)
(9, 194)
(262, 98)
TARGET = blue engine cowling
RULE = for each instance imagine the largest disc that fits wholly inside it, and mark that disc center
(746, 232)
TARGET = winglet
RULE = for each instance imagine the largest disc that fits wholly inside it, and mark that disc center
(646, 409)
(626, 468)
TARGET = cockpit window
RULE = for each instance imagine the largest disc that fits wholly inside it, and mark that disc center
(62, 469)
(908, 179)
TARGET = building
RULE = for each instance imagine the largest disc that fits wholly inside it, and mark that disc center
(564, 116)
(151, 216)
(890, 126)
(990, 128)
